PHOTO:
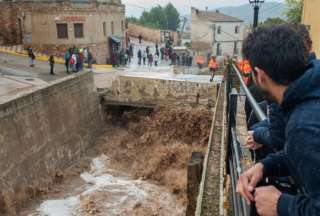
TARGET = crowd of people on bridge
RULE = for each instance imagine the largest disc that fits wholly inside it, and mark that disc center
(75, 58)
(122, 57)
(284, 74)
(164, 55)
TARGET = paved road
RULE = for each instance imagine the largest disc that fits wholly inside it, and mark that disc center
(16, 75)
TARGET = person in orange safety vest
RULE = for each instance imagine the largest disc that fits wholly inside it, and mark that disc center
(200, 61)
(213, 66)
(246, 70)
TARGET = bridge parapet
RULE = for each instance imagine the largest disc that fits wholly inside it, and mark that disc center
(149, 92)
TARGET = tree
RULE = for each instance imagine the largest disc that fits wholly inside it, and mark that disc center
(294, 12)
(172, 16)
(159, 17)
(132, 19)
(273, 21)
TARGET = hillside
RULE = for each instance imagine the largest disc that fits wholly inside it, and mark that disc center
(245, 12)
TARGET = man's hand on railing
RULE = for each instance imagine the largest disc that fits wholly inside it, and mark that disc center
(248, 181)
(266, 200)
(251, 144)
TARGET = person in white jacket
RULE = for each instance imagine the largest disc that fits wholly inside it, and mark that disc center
(156, 59)
(73, 63)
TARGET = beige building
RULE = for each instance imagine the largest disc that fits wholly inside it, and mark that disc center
(311, 18)
(56, 25)
(216, 33)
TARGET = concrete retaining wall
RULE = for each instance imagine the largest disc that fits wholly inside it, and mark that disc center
(140, 91)
(44, 130)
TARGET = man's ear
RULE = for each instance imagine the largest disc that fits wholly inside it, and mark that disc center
(260, 75)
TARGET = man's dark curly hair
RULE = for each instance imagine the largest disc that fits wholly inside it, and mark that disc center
(279, 50)
(304, 33)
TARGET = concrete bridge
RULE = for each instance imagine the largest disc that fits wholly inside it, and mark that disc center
(154, 89)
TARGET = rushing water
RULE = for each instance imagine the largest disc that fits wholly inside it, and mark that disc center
(109, 192)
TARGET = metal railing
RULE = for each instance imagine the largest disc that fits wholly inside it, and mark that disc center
(234, 152)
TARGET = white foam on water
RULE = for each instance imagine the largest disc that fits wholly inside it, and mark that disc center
(123, 192)
(63, 207)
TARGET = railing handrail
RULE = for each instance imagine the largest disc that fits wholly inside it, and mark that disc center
(240, 207)
(255, 106)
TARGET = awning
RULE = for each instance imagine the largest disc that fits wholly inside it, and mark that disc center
(115, 39)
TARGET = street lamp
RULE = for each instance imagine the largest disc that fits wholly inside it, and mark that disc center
(256, 5)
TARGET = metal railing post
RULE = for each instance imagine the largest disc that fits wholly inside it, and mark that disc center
(229, 82)
(231, 120)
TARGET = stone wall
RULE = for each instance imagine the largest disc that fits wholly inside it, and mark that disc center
(44, 130)
(145, 92)
(9, 24)
(148, 34)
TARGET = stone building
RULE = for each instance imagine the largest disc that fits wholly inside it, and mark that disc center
(311, 18)
(53, 26)
(215, 33)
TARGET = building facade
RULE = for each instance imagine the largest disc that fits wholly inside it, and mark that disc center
(216, 33)
(54, 26)
(311, 18)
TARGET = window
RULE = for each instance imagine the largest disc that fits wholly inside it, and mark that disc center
(219, 29)
(112, 27)
(236, 29)
(78, 30)
(62, 31)
(104, 28)
(235, 49)
(219, 49)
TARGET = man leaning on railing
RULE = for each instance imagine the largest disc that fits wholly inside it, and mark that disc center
(279, 58)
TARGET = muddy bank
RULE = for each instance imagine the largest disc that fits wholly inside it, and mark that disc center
(157, 146)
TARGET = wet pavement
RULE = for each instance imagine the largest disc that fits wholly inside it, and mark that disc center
(176, 77)
(10, 86)
(13, 85)
(16, 75)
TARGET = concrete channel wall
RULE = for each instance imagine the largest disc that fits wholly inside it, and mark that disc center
(140, 91)
(44, 130)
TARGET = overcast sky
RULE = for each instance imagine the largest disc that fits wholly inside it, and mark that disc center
(136, 7)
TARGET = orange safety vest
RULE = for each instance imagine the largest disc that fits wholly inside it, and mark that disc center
(246, 69)
(200, 59)
(213, 64)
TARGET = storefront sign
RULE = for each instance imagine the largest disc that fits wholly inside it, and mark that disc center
(70, 19)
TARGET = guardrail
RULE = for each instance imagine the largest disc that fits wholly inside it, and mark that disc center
(234, 166)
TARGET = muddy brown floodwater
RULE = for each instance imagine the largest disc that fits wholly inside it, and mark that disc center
(139, 167)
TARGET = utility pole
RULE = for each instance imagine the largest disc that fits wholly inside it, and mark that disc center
(256, 6)
(214, 36)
